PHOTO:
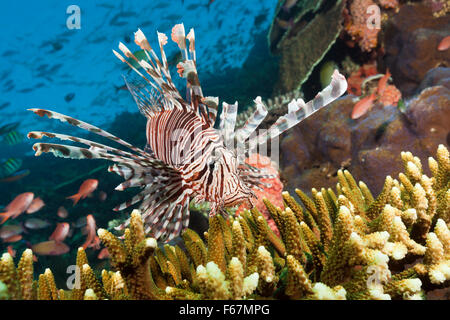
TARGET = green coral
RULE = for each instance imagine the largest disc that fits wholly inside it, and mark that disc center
(300, 48)
(342, 244)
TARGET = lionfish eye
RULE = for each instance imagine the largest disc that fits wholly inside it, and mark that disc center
(211, 166)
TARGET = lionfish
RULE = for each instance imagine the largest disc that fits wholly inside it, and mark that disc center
(186, 158)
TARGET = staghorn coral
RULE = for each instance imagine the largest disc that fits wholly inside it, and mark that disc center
(439, 7)
(343, 244)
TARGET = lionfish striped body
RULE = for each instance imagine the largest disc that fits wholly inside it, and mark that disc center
(185, 158)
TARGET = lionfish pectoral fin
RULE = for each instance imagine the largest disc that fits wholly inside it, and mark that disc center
(300, 110)
(139, 170)
(93, 146)
(149, 150)
(85, 126)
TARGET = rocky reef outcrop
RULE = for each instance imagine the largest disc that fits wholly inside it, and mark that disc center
(313, 151)
(411, 39)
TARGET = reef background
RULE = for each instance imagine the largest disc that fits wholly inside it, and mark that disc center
(74, 72)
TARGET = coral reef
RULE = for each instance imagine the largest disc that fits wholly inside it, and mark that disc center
(357, 77)
(357, 27)
(391, 96)
(360, 21)
(270, 191)
(295, 38)
(411, 39)
(341, 244)
(438, 7)
(362, 82)
(329, 140)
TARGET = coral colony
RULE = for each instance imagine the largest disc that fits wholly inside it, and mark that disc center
(356, 207)
(338, 244)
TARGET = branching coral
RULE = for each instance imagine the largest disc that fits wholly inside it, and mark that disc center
(439, 7)
(342, 244)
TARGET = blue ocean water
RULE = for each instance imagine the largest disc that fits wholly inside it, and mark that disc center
(45, 64)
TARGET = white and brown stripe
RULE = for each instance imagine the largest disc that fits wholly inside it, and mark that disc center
(186, 158)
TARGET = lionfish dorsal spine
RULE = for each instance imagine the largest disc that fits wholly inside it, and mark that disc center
(228, 121)
(252, 123)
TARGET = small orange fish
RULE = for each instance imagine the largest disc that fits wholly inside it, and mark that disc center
(35, 205)
(363, 105)
(11, 251)
(50, 248)
(17, 206)
(444, 44)
(382, 83)
(92, 241)
(103, 254)
(13, 238)
(61, 232)
(86, 188)
(62, 212)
